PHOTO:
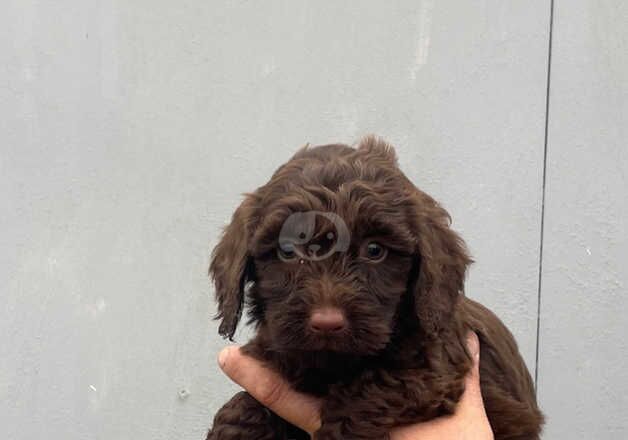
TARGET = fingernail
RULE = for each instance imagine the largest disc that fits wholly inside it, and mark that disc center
(474, 345)
(224, 356)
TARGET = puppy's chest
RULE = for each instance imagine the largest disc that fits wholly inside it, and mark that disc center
(316, 375)
(318, 380)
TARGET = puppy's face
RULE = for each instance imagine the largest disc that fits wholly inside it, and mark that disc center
(331, 280)
(334, 250)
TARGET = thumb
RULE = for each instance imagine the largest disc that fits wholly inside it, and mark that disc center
(270, 389)
(471, 400)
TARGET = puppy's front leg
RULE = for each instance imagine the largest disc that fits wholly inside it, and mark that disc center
(379, 400)
(243, 417)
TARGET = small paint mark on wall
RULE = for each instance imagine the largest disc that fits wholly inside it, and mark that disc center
(423, 40)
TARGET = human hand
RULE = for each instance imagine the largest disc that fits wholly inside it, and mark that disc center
(468, 422)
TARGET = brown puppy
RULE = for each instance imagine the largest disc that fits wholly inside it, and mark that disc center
(354, 281)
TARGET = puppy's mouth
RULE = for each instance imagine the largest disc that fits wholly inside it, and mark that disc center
(329, 340)
(329, 329)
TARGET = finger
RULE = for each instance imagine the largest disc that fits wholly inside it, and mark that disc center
(472, 397)
(271, 390)
(473, 346)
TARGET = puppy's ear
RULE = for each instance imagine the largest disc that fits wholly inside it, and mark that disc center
(376, 148)
(232, 266)
(442, 263)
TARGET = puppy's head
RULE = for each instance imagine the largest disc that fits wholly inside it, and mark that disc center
(335, 250)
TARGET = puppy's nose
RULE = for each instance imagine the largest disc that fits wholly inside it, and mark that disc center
(328, 320)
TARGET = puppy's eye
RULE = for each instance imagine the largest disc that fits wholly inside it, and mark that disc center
(375, 251)
(286, 252)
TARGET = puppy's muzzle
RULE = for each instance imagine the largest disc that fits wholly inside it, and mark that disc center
(328, 320)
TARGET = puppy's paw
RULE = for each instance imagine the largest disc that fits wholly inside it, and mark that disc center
(242, 418)
(345, 430)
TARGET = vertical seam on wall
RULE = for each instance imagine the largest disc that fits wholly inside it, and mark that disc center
(542, 235)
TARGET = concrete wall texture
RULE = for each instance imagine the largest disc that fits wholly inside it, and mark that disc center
(128, 131)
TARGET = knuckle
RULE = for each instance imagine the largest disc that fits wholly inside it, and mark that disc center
(270, 392)
(312, 422)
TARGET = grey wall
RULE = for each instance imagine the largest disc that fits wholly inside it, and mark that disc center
(583, 374)
(128, 131)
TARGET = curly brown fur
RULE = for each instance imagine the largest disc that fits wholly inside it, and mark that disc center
(402, 358)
